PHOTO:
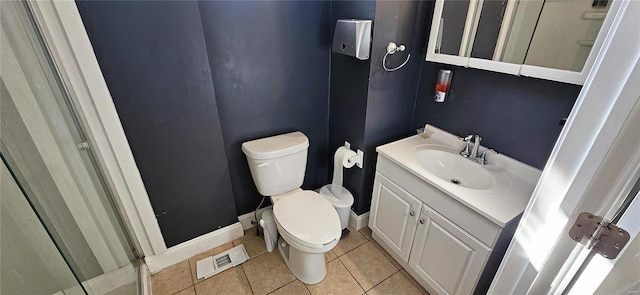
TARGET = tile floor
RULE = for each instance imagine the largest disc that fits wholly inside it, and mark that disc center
(357, 265)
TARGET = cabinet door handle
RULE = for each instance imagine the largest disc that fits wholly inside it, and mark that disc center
(411, 213)
(421, 220)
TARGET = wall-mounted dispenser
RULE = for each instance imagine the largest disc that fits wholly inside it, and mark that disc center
(353, 37)
(443, 84)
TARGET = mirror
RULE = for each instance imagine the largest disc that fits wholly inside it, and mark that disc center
(505, 35)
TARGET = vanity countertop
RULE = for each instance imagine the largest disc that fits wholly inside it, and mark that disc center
(502, 203)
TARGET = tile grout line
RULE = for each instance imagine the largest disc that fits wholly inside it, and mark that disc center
(248, 259)
(286, 284)
(192, 286)
(246, 277)
(307, 287)
(384, 280)
(392, 263)
(354, 278)
(368, 241)
(191, 272)
(358, 246)
(411, 280)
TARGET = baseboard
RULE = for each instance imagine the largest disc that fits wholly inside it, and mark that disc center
(194, 246)
(246, 219)
(358, 222)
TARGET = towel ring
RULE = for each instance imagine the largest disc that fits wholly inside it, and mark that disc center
(391, 49)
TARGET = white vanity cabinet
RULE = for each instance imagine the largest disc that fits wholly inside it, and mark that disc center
(394, 216)
(441, 242)
(446, 256)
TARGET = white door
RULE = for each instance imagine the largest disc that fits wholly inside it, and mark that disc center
(596, 157)
(394, 215)
(446, 256)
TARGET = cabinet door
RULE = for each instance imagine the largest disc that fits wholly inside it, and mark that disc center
(394, 215)
(445, 256)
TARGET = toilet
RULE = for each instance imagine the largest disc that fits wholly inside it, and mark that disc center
(307, 223)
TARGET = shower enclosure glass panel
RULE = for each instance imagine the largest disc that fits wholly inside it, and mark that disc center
(46, 148)
(29, 260)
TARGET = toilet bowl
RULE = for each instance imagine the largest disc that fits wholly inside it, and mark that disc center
(309, 226)
(307, 223)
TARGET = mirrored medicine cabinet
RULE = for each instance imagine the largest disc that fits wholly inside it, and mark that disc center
(550, 39)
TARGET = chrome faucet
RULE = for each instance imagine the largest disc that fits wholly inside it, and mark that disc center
(476, 145)
(471, 153)
(467, 147)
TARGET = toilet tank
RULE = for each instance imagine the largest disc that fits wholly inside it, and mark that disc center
(277, 163)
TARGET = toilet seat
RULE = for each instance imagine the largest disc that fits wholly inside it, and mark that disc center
(308, 219)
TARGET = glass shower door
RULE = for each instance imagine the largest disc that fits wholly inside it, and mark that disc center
(30, 262)
(45, 147)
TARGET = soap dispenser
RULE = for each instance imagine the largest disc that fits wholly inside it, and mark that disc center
(443, 84)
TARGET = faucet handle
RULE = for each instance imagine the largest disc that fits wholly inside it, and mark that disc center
(467, 147)
(483, 157)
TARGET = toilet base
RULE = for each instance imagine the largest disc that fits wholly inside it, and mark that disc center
(310, 268)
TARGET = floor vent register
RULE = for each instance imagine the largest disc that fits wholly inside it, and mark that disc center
(212, 265)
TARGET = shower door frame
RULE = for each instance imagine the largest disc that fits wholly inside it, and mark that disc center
(68, 44)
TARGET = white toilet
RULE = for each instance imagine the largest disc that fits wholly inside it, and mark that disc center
(308, 224)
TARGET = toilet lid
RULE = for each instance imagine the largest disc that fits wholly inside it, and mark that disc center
(308, 217)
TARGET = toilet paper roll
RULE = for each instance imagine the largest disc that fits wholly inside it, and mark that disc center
(340, 160)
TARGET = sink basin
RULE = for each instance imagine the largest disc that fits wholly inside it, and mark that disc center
(446, 164)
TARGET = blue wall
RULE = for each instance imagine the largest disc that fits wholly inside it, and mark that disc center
(370, 106)
(154, 60)
(348, 96)
(516, 116)
(391, 96)
(270, 67)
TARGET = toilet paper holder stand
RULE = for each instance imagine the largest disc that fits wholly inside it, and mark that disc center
(358, 158)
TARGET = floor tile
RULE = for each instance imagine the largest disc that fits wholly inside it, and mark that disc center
(230, 281)
(397, 284)
(368, 265)
(414, 282)
(386, 254)
(188, 291)
(294, 288)
(329, 256)
(193, 260)
(337, 281)
(350, 242)
(366, 232)
(267, 272)
(171, 279)
(253, 244)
